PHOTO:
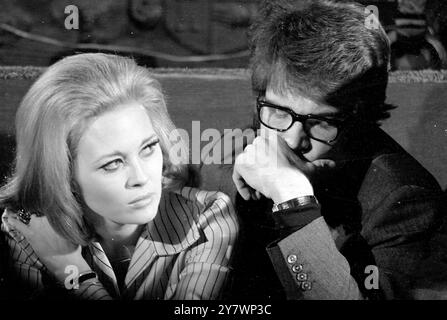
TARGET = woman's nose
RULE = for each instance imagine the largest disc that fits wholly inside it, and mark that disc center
(296, 138)
(138, 174)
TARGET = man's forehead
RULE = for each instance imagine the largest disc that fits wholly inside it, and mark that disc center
(298, 103)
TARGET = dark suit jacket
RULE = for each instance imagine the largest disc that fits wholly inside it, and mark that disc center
(379, 208)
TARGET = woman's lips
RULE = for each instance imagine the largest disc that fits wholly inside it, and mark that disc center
(142, 201)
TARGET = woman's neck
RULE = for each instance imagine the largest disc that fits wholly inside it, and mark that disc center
(118, 242)
(113, 237)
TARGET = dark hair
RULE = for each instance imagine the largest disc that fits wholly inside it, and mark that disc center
(324, 50)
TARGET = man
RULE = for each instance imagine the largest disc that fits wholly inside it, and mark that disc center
(353, 214)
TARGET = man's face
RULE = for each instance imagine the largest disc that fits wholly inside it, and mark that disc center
(295, 137)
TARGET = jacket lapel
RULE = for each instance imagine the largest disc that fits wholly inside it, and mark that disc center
(173, 230)
(102, 263)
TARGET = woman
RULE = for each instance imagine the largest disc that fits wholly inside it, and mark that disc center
(95, 205)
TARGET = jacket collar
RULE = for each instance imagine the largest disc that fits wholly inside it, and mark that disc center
(172, 231)
(174, 228)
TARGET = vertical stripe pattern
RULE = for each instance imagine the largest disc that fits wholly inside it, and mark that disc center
(184, 253)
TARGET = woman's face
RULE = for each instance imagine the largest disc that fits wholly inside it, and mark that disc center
(119, 166)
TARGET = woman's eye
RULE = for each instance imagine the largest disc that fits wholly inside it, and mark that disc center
(149, 148)
(112, 165)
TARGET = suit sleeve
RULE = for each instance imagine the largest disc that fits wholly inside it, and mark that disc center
(310, 266)
(399, 230)
(208, 269)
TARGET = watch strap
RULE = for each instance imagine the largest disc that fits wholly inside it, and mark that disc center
(295, 203)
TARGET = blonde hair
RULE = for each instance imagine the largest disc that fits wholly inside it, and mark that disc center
(50, 121)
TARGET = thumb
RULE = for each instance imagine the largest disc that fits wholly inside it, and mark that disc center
(324, 163)
(320, 167)
(290, 155)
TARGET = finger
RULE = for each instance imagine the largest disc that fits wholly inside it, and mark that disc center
(324, 163)
(255, 195)
(18, 225)
(318, 167)
(248, 148)
(267, 151)
(241, 186)
(245, 192)
(291, 156)
(244, 189)
(268, 141)
(282, 145)
(267, 134)
(258, 140)
(258, 154)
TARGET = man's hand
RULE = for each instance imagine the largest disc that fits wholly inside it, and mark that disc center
(269, 167)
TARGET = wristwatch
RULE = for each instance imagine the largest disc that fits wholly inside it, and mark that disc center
(89, 275)
(295, 203)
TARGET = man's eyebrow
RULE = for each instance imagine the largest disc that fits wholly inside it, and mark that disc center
(120, 154)
(326, 112)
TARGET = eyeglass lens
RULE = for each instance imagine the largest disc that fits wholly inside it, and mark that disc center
(282, 120)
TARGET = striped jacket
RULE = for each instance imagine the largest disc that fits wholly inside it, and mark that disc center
(184, 253)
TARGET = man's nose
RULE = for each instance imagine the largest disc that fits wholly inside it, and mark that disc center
(296, 138)
(137, 174)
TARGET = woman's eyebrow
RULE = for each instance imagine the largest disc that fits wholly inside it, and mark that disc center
(149, 139)
(109, 155)
(117, 153)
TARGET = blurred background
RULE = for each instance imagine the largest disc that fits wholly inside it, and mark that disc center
(190, 33)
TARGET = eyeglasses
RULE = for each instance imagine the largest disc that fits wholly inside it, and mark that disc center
(323, 129)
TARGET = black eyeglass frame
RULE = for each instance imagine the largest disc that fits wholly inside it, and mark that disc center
(337, 121)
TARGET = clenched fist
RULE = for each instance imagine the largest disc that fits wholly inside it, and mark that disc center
(269, 167)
